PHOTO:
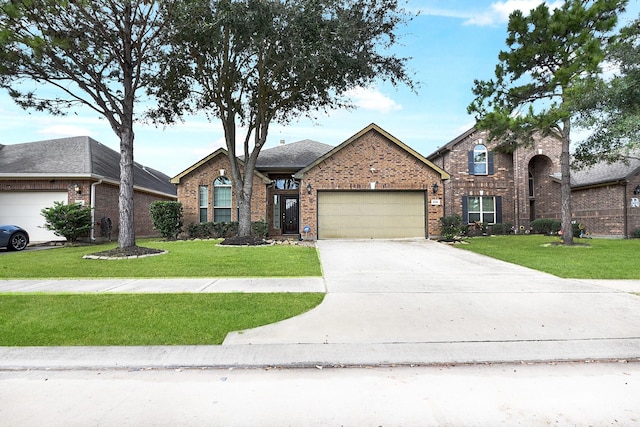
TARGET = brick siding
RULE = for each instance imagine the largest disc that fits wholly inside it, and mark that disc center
(206, 174)
(106, 201)
(350, 169)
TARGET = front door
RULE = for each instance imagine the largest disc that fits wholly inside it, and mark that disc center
(289, 209)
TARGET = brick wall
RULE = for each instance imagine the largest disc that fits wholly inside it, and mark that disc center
(601, 209)
(106, 201)
(510, 180)
(350, 169)
(205, 174)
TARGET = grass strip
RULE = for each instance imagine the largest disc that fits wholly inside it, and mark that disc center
(587, 259)
(140, 319)
(202, 258)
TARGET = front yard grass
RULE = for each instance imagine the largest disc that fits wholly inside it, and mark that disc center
(140, 319)
(202, 258)
(588, 259)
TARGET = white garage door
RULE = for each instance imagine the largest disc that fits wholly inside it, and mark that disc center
(23, 209)
(371, 215)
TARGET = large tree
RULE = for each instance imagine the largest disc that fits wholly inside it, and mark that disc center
(93, 53)
(611, 110)
(250, 63)
(551, 53)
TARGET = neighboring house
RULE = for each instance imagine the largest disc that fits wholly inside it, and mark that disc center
(73, 170)
(494, 187)
(370, 186)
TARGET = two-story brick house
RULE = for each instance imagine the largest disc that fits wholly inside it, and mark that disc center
(492, 187)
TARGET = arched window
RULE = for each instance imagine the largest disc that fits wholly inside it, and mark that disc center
(222, 199)
(480, 160)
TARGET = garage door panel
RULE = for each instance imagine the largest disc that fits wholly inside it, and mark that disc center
(369, 214)
(23, 209)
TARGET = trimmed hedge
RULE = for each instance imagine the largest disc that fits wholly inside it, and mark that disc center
(221, 230)
(545, 226)
(502, 229)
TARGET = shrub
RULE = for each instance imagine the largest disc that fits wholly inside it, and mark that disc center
(260, 229)
(451, 226)
(545, 226)
(167, 218)
(502, 229)
(69, 221)
(476, 229)
(637, 233)
(221, 230)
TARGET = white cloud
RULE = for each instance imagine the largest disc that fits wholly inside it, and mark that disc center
(65, 131)
(500, 11)
(373, 100)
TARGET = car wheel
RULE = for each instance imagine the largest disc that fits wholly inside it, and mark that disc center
(18, 241)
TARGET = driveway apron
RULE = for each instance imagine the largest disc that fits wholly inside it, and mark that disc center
(420, 291)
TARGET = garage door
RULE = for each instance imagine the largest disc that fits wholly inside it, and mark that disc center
(371, 215)
(23, 209)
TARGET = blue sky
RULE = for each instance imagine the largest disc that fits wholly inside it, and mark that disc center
(451, 43)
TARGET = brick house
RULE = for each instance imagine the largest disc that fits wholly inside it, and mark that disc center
(73, 170)
(493, 187)
(372, 185)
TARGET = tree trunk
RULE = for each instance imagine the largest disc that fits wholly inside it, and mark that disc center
(126, 234)
(244, 208)
(565, 187)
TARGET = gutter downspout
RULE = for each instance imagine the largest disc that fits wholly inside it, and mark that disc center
(93, 209)
(625, 209)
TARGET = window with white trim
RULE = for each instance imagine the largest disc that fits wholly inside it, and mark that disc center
(480, 160)
(222, 199)
(203, 203)
(484, 209)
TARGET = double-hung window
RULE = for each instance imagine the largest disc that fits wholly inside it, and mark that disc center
(203, 203)
(222, 199)
(485, 209)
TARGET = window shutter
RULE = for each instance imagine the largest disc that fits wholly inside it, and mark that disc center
(465, 210)
(498, 209)
(490, 168)
(471, 163)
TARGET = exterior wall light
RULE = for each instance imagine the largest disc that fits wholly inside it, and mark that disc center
(434, 188)
(309, 188)
(222, 172)
(637, 190)
(77, 189)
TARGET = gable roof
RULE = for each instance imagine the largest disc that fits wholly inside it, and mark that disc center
(220, 151)
(291, 157)
(393, 139)
(449, 145)
(605, 173)
(75, 157)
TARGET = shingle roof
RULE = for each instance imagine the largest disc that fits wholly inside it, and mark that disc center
(291, 157)
(80, 156)
(603, 172)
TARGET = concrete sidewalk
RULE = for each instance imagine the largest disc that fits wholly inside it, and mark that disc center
(182, 285)
(387, 303)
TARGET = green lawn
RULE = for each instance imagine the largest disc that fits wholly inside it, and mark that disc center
(588, 259)
(202, 258)
(140, 319)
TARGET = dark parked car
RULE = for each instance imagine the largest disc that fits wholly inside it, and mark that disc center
(13, 237)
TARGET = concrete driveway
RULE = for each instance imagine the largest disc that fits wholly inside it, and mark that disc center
(430, 295)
